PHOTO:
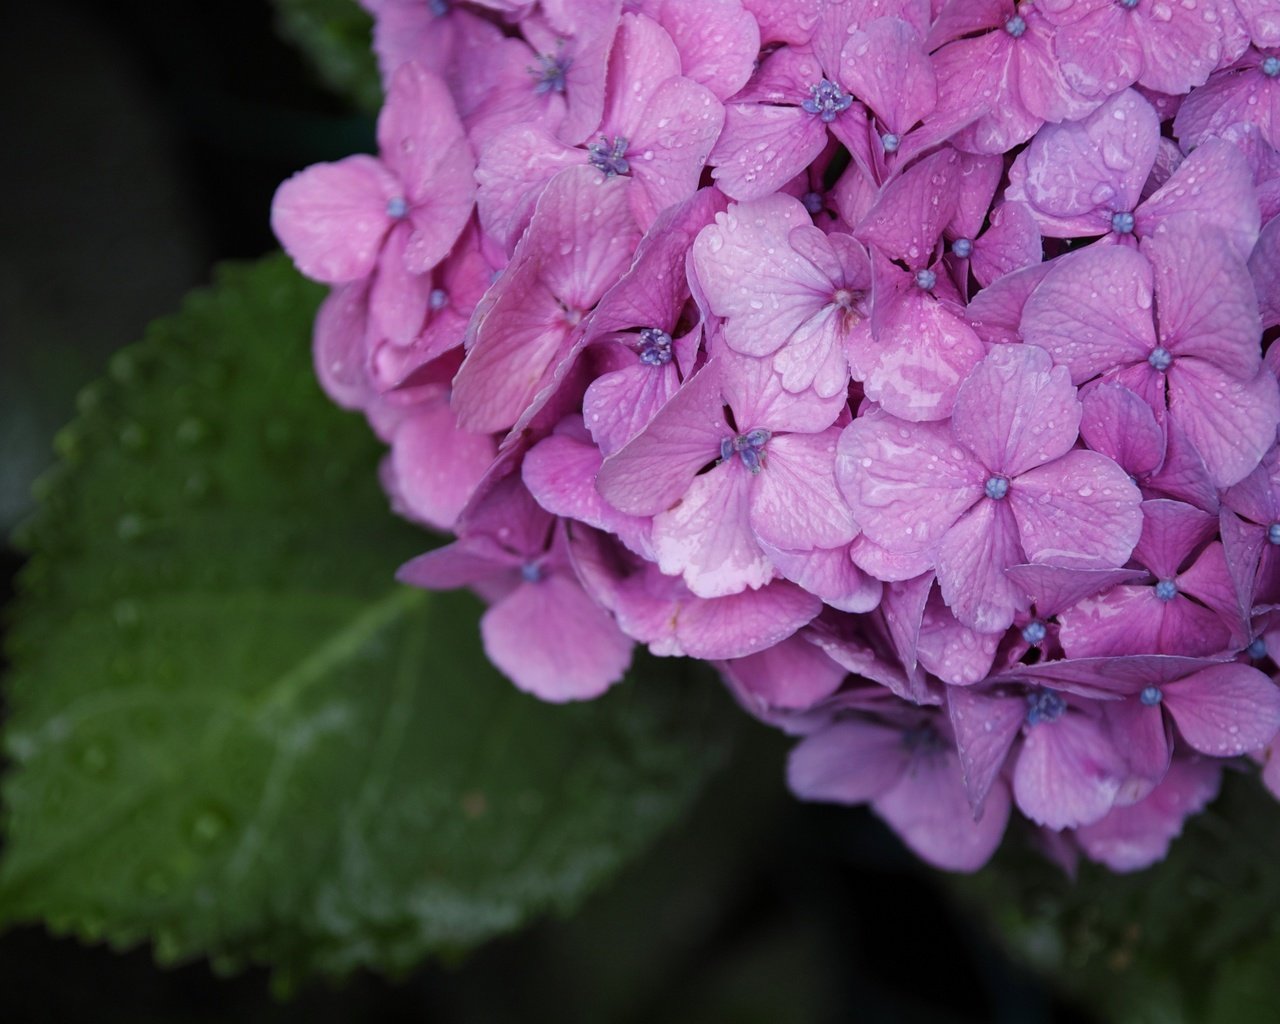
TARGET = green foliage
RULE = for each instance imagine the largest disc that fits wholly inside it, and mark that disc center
(334, 35)
(233, 734)
(1193, 939)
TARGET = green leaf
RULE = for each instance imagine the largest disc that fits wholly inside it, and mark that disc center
(335, 37)
(1192, 939)
(233, 734)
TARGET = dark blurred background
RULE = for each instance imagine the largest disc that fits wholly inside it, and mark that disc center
(143, 143)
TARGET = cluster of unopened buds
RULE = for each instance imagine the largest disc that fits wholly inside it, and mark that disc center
(906, 359)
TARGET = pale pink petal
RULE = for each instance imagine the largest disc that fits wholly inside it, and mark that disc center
(552, 640)
(670, 144)
(849, 762)
(1120, 425)
(742, 624)
(718, 41)
(399, 298)
(792, 674)
(338, 346)
(764, 147)
(828, 573)
(953, 652)
(618, 405)
(436, 465)
(794, 500)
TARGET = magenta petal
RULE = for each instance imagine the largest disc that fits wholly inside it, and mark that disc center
(618, 405)
(1134, 837)
(957, 655)
(1183, 475)
(1264, 266)
(643, 57)
(884, 64)
(985, 726)
(794, 500)
(1225, 710)
(399, 298)
(552, 640)
(828, 573)
(717, 39)
(906, 484)
(1016, 410)
(929, 811)
(331, 218)
(1231, 423)
(1053, 589)
(1171, 531)
(971, 563)
(849, 762)
(1081, 511)
(1092, 312)
(670, 145)
(1010, 243)
(463, 563)
(338, 346)
(1124, 620)
(1068, 773)
(1118, 424)
(1145, 740)
(907, 221)
(742, 624)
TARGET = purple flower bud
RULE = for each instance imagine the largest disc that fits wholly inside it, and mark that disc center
(550, 72)
(610, 157)
(1015, 26)
(1034, 632)
(655, 347)
(926, 279)
(1122, 222)
(397, 207)
(890, 142)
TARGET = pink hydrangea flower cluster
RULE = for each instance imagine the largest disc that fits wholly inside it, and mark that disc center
(906, 359)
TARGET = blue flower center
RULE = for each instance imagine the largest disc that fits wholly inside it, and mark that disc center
(1160, 359)
(813, 202)
(890, 142)
(1257, 650)
(926, 279)
(1271, 66)
(549, 74)
(1151, 696)
(1166, 590)
(1128, 5)
(962, 247)
(1122, 222)
(610, 157)
(1034, 632)
(397, 207)
(655, 347)
(827, 100)
(438, 299)
(923, 739)
(530, 572)
(747, 447)
(438, 7)
(996, 487)
(1273, 533)
(1015, 26)
(1044, 706)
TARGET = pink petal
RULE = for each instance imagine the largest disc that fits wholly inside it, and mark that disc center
(1053, 589)
(331, 218)
(742, 624)
(618, 405)
(794, 500)
(1135, 837)
(957, 655)
(707, 537)
(1120, 425)
(885, 66)
(1225, 710)
(1016, 410)
(1092, 312)
(338, 346)
(764, 147)
(971, 563)
(399, 298)
(643, 58)
(1264, 267)
(906, 484)
(552, 640)
(1231, 423)
(436, 465)
(717, 39)
(1081, 511)
(792, 674)
(1145, 740)
(913, 208)
(1171, 531)
(849, 762)
(985, 726)
(828, 573)
(670, 144)
(470, 561)
(1010, 243)
(1068, 773)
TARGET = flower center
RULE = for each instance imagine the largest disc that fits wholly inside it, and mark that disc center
(1271, 66)
(1273, 533)
(1122, 222)
(1015, 26)
(826, 99)
(438, 299)
(1034, 632)
(996, 487)
(609, 157)
(1166, 590)
(655, 347)
(1128, 5)
(890, 142)
(1044, 706)
(549, 74)
(926, 279)
(1160, 359)
(923, 739)
(438, 7)
(397, 207)
(530, 572)
(747, 446)
(1151, 696)
(1257, 650)
(962, 247)
(813, 202)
